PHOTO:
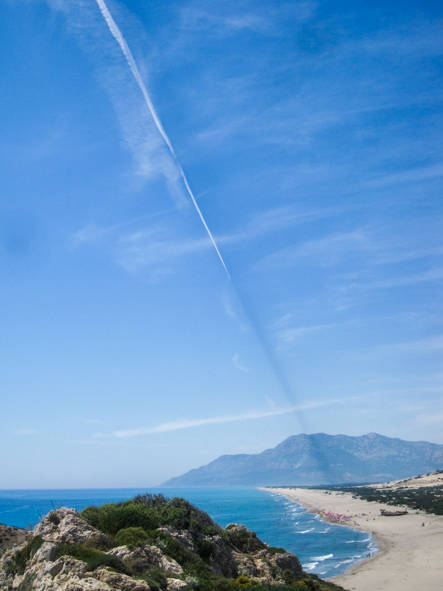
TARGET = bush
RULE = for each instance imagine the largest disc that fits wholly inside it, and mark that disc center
(205, 549)
(156, 579)
(100, 542)
(288, 576)
(132, 537)
(149, 512)
(243, 582)
(244, 540)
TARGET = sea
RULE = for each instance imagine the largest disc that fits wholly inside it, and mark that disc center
(325, 549)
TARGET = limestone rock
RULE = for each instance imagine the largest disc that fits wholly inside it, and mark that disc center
(266, 567)
(47, 552)
(182, 536)
(287, 561)
(119, 581)
(64, 526)
(222, 561)
(176, 584)
(147, 557)
(65, 574)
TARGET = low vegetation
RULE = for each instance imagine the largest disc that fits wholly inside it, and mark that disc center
(428, 499)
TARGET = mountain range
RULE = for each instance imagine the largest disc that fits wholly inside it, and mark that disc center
(316, 459)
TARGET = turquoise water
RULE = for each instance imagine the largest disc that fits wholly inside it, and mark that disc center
(324, 549)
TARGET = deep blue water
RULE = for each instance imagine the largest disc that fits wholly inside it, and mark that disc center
(325, 549)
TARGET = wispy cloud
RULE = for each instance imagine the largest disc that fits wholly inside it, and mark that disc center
(434, 343)
(412, 279)
(326, 251)
(230, 19)
(417, 175)
(219, 420)
(290, 334)
(197, 19)
(144, 244)
(151, 248)
(26, 432)
(238, 364)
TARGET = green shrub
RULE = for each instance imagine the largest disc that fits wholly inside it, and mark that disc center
(149, 512)
(205, 549)
(272, 550)
(288, 576)
(131, 537)
(243, 582)
(100, 542)
(156, 579)
(212, 530)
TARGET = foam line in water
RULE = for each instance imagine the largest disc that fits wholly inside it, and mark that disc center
(321, 558)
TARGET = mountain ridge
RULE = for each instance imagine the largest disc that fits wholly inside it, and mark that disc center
(317, 459)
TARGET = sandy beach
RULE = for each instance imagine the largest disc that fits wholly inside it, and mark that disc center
(410, 554)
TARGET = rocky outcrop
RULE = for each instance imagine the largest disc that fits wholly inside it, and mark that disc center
(182, 536)
(64, 526)
(223, 561)
(65, 553)
(147, 557)
(265, 566)
(120, 581)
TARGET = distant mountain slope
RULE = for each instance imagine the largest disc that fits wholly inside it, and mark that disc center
(320, 459)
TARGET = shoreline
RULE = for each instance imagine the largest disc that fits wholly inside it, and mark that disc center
(409, 553)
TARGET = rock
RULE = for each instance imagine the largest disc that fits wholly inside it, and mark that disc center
(176, 584)
(47, 552)
(53, 569)
(147, 557)
(182, 536)
(65, 574)
(222, 560)
(119, 581)
(287, 561)
(71, 567)
(64, 526)
(267, 567)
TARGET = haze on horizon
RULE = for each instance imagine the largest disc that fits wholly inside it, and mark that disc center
(220, 225)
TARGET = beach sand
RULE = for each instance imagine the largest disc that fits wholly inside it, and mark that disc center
(410, 556)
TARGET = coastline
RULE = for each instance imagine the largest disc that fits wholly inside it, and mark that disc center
(409, 554)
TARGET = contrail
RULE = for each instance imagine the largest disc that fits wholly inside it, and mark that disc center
(133, 66)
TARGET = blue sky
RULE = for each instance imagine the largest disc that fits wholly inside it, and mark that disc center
(309, 135)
